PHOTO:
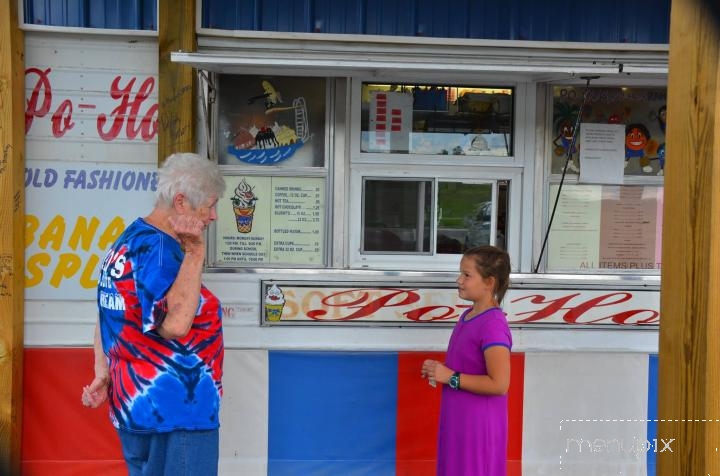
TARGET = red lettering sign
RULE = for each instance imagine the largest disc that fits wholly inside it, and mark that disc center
(128, 113)
(148, 124)
(363, 305)
(538, 307)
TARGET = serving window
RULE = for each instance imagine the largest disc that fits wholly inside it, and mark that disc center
(433, 173)
(609, 212)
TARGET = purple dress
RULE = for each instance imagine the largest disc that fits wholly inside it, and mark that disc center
(473, 428)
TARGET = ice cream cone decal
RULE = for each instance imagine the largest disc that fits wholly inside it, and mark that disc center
(244, 206)
(274, 303)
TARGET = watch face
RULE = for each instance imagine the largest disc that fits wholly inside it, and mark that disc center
(454, 381)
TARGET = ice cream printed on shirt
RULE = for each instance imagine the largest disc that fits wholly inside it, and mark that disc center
(158, 384)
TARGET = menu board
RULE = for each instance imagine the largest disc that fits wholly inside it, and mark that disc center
(629, 232)
(606, 227)
(575, 233)
(271, 220)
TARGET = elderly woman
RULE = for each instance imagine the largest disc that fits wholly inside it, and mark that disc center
(158, 343)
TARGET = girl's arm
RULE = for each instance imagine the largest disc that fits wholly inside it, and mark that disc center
(496, 382)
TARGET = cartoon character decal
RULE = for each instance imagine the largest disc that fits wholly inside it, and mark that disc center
(638, 145)
(565, 115)
(662, 118)
(270, 142)
(661, 157)
(271, 96)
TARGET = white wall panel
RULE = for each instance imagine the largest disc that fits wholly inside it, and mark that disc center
(594, 397)
(244, 413)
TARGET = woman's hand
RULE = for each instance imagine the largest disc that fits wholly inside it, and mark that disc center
(435, 371)
(189, 231)
(96, 393)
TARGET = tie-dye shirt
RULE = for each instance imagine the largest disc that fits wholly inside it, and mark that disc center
(158, 385)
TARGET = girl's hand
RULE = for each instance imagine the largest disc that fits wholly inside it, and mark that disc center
(96, 393)
(435, 371)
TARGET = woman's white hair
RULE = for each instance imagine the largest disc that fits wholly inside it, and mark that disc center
(190, 174)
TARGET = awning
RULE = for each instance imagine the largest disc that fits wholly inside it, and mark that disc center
(428, 58)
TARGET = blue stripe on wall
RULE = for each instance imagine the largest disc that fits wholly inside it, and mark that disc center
(332, 413)
(652, 411)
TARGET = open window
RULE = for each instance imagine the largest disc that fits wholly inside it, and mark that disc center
(426, 216)
(433, 173)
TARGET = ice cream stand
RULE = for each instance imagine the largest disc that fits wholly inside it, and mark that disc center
(359, 168)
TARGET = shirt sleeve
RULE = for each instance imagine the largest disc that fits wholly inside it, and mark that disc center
(158, 263)
(497, 332)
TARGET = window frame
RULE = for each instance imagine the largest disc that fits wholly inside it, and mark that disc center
(469, 169)
(416, 261)
(325, 171)
(544, 152)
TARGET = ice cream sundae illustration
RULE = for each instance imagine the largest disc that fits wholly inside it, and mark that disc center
(244, 206)
(274, 303)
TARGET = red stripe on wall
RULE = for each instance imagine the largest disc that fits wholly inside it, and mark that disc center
(515, 414)
(60, 436)
(418, 412)
(74, 468)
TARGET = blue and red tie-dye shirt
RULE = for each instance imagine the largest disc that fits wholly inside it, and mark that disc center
(158, 385)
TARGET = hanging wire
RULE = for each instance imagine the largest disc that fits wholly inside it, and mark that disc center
(568, 157)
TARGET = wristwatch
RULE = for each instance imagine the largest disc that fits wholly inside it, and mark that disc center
(454, 381)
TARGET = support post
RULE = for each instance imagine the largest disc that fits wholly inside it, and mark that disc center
(689, 370)
(12, 237)
(176, 87)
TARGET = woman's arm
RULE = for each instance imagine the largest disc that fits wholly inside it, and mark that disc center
(183, 297)
(97, 392)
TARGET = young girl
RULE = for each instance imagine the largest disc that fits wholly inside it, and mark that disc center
(472, 440)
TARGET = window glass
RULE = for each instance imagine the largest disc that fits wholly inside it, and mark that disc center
(437, 120)
(640, 110)
(609, 215)
(278, 121)
(271, 221)
(606, 227)
(396, 215)
(269, 136)
(467, 213)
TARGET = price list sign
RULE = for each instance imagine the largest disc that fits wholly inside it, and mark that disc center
(272, 221)
(297, 217)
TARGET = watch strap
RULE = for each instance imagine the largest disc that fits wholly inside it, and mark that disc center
(455, 380)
